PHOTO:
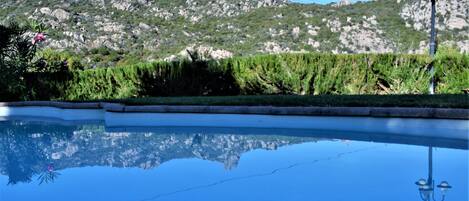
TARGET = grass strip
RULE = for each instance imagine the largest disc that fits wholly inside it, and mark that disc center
(420, 101)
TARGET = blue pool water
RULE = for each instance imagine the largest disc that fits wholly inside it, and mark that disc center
(60, 161)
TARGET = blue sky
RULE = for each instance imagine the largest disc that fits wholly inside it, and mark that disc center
(317, 1)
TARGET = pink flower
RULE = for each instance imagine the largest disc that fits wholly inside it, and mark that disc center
(39, 38)
(50, 168)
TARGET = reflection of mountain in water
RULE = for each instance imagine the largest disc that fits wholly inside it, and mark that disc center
(28, 149)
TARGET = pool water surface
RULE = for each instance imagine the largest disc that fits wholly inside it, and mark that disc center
(58, 161)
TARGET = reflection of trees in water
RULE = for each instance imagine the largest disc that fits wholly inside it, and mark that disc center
(32, 149)
(21, 156)
(49, 175)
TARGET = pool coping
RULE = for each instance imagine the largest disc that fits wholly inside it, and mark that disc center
(379, 112)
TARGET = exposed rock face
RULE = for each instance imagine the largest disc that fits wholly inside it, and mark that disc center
(313, 43)
(296, 32)
(125, 5)
(342, 3)
(312, 30)
(163, 29)
(203, 52)
(333, 24)
(45, 11)
(225, 7)
(454, 14)
(364, 36)
(61, 15)
(274, 48)
(110, 27)
(464, 45)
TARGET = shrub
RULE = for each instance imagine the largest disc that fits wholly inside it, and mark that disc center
(47, 85)
(16, 55)
(331, 74)
(53, 61)
(452, 70)
(151, 79)
(302, 74)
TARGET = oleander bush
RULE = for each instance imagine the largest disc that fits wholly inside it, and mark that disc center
(301, 74)
(16, 57)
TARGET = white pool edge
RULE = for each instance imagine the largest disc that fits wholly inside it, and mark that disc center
(440, 128)
(53, 112)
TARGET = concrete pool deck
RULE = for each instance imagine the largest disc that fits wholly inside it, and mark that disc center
(428, 122)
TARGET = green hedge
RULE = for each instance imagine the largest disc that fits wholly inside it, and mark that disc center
(151, 79)
(314, 74)
(452, 73)
(331, 74)
(305, 74)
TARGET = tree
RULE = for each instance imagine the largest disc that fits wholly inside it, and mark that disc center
(17, 51)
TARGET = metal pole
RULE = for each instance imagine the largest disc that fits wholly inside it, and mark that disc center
(432, 46)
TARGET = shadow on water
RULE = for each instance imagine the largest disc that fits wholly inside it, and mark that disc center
(32, 149)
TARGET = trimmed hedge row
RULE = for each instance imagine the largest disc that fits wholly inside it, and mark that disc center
(151, 79)
(305, 74)
(331, 74)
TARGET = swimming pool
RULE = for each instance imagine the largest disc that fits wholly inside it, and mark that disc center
(62, 160)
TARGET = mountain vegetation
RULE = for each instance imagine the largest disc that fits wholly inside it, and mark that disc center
(118, 49)
(121, 32)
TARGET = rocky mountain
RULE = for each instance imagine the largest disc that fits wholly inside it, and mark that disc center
(28, 149)
(163, 29)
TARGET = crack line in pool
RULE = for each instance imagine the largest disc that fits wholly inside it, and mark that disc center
(339, 155)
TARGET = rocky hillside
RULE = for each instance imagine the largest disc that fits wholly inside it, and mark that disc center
(162, 29)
